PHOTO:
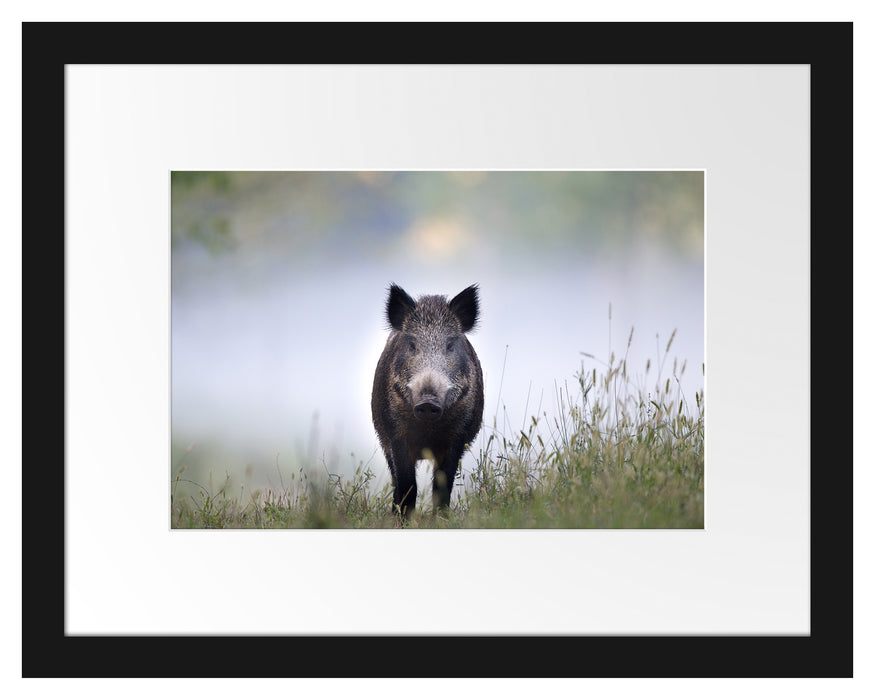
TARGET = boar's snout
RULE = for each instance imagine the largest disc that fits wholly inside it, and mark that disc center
(429, 395)
(429, 409)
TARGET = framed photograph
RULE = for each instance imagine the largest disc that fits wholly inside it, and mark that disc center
(241, 240)
(476, 409)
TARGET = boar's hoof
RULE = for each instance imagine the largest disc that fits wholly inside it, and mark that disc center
(427, 411)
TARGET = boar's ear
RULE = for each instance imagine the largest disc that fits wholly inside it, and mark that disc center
(398, 307)
(466, 307)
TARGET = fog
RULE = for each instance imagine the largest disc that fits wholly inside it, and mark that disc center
(279, 285)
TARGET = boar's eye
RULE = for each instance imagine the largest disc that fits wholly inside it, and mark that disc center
(411, 346)
(449, 346)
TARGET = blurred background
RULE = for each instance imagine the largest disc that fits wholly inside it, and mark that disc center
(279, 284)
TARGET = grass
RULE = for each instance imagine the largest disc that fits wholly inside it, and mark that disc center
(618, 453)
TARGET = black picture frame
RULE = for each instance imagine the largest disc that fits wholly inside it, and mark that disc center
(48, 652)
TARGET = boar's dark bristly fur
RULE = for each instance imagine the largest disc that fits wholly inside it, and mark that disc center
(427, 401)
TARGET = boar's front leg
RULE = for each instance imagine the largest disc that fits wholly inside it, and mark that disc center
(444, 475)
(403, 479)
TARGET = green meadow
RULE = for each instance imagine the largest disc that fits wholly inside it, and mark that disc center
(618, 450)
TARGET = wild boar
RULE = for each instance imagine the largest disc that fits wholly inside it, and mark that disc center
(427, 400)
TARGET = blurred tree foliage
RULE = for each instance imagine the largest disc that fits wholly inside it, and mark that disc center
(209, 229)
(348, 213)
